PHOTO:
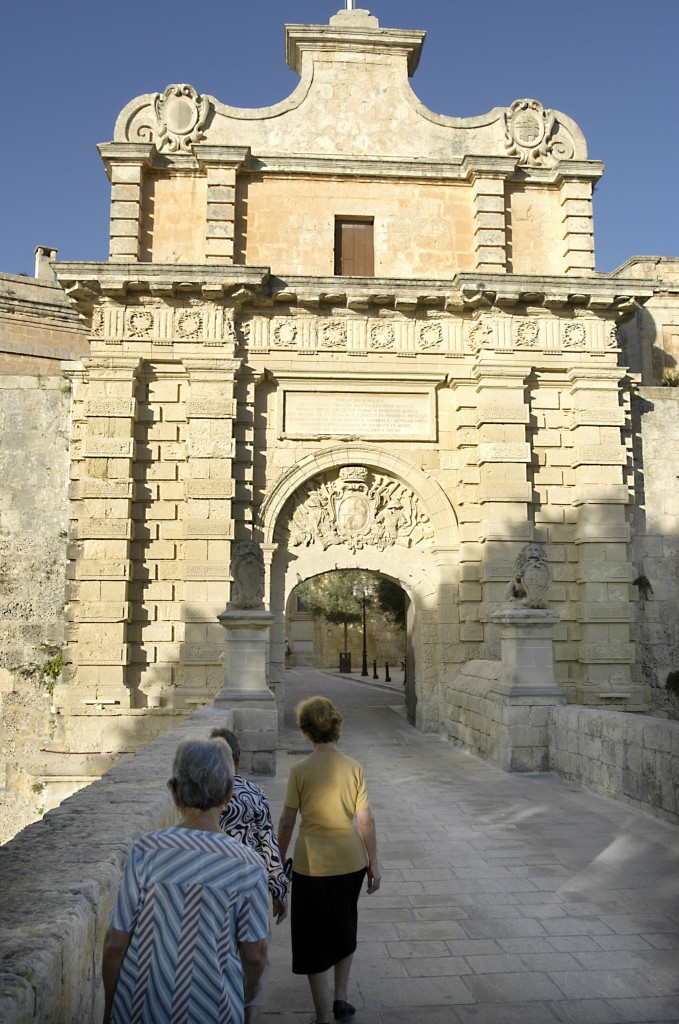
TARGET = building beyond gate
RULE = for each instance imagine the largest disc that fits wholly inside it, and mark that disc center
(364, 335)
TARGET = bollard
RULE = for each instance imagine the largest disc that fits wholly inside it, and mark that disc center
(375, 675)
(387, 677)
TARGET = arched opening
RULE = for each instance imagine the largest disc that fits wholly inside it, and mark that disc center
(361, 509)
(348, 621)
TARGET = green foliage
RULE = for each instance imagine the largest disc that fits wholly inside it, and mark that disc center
(672, 682)
(670, 379)
(37, 788)
(331, 597)
(391, 601)
(51, 670)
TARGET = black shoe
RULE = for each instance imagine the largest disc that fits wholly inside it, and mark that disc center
(342, 1010)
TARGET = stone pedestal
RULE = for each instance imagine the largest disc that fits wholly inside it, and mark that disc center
(245, 691)
(526, 688)
(527, 654)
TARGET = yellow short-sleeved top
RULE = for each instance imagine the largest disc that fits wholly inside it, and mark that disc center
(327, 788)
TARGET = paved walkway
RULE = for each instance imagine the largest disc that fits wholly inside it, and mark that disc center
(505, 899)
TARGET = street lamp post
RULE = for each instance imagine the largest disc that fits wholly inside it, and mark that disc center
(364, 593)
(364, 669)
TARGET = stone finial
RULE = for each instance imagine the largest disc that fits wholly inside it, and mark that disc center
(531, 578)
(247, 570)
(354, 17)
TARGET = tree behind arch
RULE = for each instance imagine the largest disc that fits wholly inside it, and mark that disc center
(331, 597)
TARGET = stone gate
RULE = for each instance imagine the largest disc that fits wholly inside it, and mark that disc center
(361, 334)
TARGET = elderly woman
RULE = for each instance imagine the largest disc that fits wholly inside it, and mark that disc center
(331, 857)
(186, 939)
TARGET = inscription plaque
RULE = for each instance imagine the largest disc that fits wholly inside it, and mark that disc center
(364, 414)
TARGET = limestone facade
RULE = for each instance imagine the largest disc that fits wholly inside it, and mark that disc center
(425, 421)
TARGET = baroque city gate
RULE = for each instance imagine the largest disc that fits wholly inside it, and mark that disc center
(248, 380)
(357, 507)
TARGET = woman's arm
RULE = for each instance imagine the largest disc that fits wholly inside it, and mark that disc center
(366, 824)
(286, 826)
(253, 957)
(115, 948)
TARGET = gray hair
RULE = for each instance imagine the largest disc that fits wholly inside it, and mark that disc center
(202, 773)
(231, 739)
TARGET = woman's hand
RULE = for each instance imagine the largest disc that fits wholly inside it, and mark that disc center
(374, 879)
(280, 910)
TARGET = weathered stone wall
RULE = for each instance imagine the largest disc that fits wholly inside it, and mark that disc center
(656, 538)
(38, 326)
(60, 876)
(633, 758)
(34, 467)
(481, 720)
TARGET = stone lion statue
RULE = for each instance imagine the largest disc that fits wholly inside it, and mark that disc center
(532, 577)
(247, 570)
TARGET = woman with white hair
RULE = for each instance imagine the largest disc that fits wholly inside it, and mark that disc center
(187, 934)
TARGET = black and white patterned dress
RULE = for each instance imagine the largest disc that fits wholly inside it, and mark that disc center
(247, 818)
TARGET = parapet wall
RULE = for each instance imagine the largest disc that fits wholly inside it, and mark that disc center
(632, 758)
(34, 469)
(60, 876)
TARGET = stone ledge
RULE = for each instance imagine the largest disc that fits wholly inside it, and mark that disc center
(60, 876)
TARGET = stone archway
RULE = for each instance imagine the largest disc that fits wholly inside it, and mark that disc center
(355, 506)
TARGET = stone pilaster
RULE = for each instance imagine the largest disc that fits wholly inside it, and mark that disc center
(125, 164)
(221, 164)
(101, 510)
(503, 455)
(602, 537)
(464, 444)
(578, 227)
(208, 525)
(488, 176)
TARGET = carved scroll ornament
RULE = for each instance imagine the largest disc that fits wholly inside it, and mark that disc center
(532, 135)
(181, 114)
(358, 508)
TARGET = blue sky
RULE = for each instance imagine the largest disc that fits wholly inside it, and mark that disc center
(67, 70)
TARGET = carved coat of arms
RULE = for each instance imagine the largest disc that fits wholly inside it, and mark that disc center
(358, 509)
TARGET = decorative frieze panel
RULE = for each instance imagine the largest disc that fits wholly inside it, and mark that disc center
(203, 323)
(501, 332)
(358, 508)
(386, 333)
(438, 333)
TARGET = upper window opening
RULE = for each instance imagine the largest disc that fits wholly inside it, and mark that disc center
(354, 247)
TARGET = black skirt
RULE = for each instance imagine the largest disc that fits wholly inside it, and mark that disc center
(323, 919)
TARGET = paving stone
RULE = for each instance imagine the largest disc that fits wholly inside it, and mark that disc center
(498, 964)
(506, 1013)
(652, 1010)
(604, 984)
(497, 928)
(550, 962)
(436, 967)
(524, 986)
(586, 1011)
(590, 948)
